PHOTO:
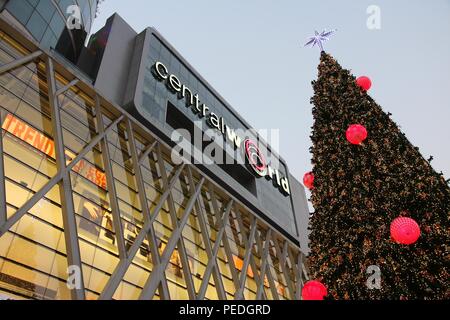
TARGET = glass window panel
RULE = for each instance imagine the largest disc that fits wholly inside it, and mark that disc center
(46, 9)
(16, 195)
(79, 112)
(143, 256)
(228, 286)
(57, 24)
(177, 292)
(89, 190)
(27, 282)
(36, 230)
(136, 276)
(33, 117)
(98, 233)
(30, 254)
(63, 4)
(126, 291)
(249, 295)
(161, 229)
(36, 25)
(23, 174)
(49, 39)
(250, 282)
(96, 257)
(91, 295)
(211, 292)
(59, 268)
(21, 10)
(94, 280)
(11, 89)
(60, 287)
(224, 267)
(28, 155)
(127, 194)
(12, 46)
(123, 176)
(130, 214)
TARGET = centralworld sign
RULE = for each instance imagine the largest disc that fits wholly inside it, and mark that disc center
(255, 160)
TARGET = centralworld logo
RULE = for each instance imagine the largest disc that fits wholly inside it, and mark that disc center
(257, 163)
(255, 159)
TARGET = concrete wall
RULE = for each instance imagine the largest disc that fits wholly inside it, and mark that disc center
(112, 76)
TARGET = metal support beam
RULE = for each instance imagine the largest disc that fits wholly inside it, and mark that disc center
(65, 187)
(110, 185)
(298, 273)
(240, 292)
(207, 242)
(19, 62)
(305, 273)
(273, 287)
(253, 265)
(281, 261)
(3, 215)
(173, 216)
(212, 263)
(123, 265)
(264, 263)
(151, 237)
(146, 152)
(288, 276)
(66, 87)
(152, 283)
(295, 270)
(225, 242)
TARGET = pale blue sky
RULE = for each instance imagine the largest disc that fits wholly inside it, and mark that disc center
(252, 53)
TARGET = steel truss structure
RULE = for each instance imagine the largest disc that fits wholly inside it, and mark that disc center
(263, 244)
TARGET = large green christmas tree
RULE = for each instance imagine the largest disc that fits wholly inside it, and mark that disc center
(360, 189)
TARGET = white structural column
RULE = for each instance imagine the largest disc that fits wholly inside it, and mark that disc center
(65, 187)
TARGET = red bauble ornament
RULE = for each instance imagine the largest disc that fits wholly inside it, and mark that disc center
(314, 290)
(364, 82)
(405, 230)
(308, 180)
(356, 134)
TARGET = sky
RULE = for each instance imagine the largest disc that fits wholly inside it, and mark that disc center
(252, 53)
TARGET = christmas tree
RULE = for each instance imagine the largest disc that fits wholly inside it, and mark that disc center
(359, 189)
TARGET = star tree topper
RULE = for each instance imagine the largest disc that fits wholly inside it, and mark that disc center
(319, 38)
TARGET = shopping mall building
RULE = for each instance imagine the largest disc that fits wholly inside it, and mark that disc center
(97, 200)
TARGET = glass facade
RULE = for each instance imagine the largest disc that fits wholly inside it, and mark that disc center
(144, 226)
(46, 20)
